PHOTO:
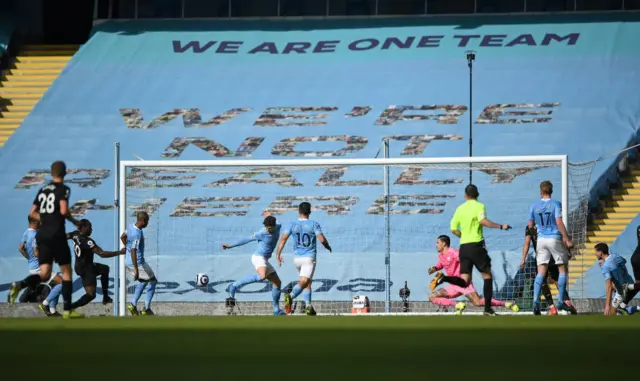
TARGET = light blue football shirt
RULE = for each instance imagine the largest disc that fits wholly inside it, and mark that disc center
(29, 240)
(266, 241)
(304, 233)
(544, 214)
(615, 268)
(135, 240)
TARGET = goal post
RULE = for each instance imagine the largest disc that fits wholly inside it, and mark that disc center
(403, 195)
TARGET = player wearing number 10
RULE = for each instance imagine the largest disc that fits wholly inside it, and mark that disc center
(553, 241)
(305, 232)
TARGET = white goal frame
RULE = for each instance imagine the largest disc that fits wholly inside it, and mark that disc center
(122, 166)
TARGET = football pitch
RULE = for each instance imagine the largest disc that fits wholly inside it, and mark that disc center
(360, 347)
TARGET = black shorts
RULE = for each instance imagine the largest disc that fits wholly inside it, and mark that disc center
(89, 275)
(474, 254)
(53, 249)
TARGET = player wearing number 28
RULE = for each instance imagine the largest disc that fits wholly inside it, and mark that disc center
(553, 242)
(51, 208)
(305, 233)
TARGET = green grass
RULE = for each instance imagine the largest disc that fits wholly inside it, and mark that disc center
(329, 348)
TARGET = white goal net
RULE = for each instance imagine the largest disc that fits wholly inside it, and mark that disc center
(381, 216)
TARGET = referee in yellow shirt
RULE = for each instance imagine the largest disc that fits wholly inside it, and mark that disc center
(467, 223)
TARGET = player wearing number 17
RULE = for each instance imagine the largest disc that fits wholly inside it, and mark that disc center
(553, 241)
(305, 232)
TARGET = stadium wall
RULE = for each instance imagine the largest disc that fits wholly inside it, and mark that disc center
(224, 90)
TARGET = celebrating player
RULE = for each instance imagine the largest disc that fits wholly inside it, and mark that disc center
(467, 223)
(616, 278)
(306, 232)
(448, 259)
(531, 238)
(29, 250)
(51, 208)
(553, 242)
(267, 238)
(133, 239)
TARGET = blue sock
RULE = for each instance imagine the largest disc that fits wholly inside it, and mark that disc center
(296, 291)
(306, 295)
(275, 293)
(148, 293)
(562, 288)
(632, 310)
(243, 282)
(137, 293)
(52, 299)
(537, 287)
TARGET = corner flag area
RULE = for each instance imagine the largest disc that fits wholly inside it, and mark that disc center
(359, 347)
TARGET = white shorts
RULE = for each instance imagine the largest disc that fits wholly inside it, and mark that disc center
(259, 261)
(37, 271)
(305, 266)
(144, 272)
(551, 247)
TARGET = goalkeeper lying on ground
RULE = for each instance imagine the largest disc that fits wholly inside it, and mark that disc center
(449, 260)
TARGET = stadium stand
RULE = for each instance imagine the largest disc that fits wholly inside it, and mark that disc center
(198, 89)
(27, 78)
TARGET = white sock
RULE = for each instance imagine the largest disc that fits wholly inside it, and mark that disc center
(631, 286)
(45, 303)
(52, 309)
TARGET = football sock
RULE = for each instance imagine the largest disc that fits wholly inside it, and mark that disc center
(546, 292)
(296, 291)
(454, 280)
(32, 281)
(537, 287)
(52, 298)
(275, 295)
(246, 280)
(104, 282)
(137, 293)
(149, 291)
(67, 290)
(443, 302)
(83, 301)
(306, 295)
(562, 286)
(488, 293)
(496, 303)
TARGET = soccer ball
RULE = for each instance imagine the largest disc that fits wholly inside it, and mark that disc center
(202, 279)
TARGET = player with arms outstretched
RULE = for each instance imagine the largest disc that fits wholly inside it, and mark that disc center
(138, 268)
(51, 208)
(29, 250)
(306, 232)
(267, 238)
(531, 239)
(617, 278)
(449, 260)
(553, 242)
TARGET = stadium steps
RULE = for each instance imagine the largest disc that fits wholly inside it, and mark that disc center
(618, 210)
(29, 76)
